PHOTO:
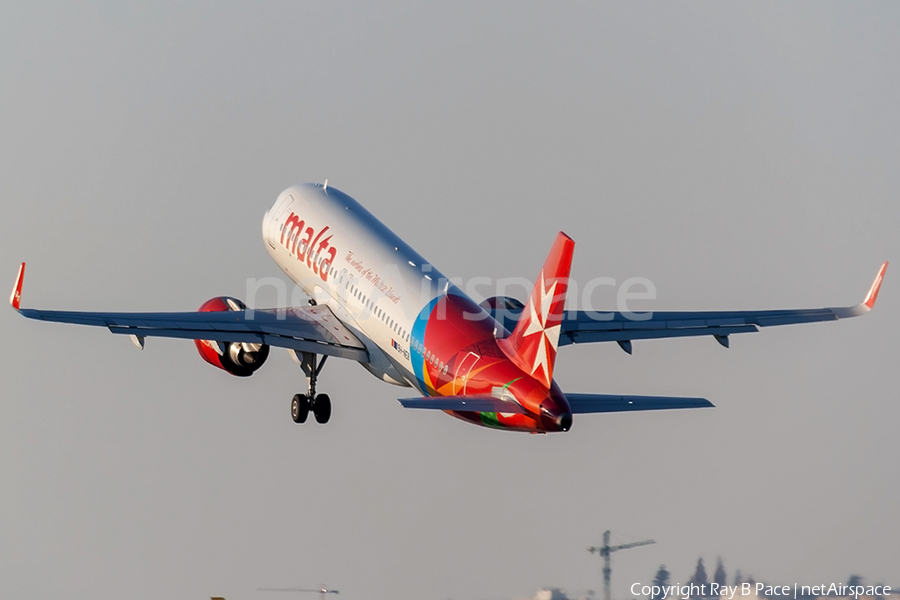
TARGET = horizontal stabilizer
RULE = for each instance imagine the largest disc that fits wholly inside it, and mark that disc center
(465, 404)
(601, 403)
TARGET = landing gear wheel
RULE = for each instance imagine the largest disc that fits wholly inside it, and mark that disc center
(319, 404)
(300, 408)
(322, 408)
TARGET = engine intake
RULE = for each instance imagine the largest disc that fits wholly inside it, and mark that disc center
(238, 358)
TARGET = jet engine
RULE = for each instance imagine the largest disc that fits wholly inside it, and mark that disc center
(238, 358)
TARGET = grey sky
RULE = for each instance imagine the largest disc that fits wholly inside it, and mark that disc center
(737, 155)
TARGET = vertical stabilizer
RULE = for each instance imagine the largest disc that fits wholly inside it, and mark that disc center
(532, 344)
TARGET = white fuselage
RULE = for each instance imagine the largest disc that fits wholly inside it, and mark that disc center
(345, 258)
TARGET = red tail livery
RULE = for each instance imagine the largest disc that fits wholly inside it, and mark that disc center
(532, 345)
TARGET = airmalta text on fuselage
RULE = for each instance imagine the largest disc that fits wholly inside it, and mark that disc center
(303, 242)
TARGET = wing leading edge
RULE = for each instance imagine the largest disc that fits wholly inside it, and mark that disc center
(307, 329)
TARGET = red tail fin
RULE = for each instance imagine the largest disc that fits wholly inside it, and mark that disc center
(532, 345)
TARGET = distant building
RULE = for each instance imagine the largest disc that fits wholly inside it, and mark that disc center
(558, 594)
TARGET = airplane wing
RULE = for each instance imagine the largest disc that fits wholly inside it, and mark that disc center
(306, 329)
(603, 403)
(579, 327)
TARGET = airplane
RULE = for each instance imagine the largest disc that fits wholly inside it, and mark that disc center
(375, 300)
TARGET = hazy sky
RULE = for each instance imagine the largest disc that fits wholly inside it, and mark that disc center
(737, 155)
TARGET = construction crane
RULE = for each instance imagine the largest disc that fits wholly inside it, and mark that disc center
(321, 591)
(605, 550)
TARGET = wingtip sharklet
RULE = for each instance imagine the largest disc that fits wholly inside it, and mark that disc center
(15, 298)
(868, 303)
(872, 296)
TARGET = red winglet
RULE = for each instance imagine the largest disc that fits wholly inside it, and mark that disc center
(16, 295)
(873, 291)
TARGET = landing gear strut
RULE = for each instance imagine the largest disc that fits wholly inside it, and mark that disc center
(302, 404)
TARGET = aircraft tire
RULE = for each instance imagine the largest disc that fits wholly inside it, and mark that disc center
(299, 408)
(322, 408)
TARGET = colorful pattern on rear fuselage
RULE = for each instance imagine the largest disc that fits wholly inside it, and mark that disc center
(451, 329)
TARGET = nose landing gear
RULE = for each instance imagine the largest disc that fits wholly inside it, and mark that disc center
(302, 404)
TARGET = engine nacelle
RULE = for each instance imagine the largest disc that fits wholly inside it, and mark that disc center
(238, 358)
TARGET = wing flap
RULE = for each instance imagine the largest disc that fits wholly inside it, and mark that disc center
(279, 341)
(582, 337)
(605, 403)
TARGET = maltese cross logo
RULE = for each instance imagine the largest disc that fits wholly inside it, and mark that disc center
(537, 323)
